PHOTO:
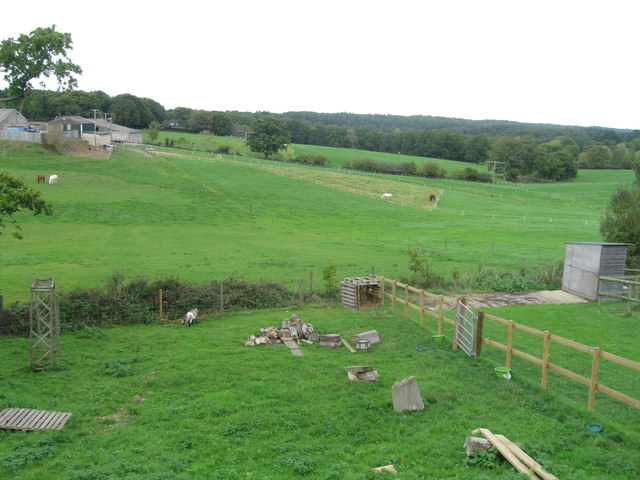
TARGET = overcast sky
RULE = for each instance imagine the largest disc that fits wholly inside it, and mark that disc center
(545, 61)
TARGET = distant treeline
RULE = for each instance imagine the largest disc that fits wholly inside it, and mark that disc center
(522, 151)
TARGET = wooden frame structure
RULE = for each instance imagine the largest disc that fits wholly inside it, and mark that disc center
(360, 292)
(44, 322)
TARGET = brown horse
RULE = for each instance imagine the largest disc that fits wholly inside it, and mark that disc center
(41, 178)
(432, 198)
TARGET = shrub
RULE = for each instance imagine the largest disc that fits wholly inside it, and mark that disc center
(431, 170)
(319, 160)
(224, 149)
(471, 175)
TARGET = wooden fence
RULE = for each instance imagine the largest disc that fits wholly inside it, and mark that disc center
(400, 293)
(631, 286)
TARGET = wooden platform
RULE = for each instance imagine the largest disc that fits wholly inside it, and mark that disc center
(25, 419)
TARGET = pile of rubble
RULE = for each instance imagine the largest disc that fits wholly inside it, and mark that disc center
(292, 329)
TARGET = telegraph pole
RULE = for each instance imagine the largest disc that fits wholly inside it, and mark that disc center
(494, 164)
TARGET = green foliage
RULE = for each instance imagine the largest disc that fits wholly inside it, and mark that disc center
(268, 136)
(42, 53)
(489, 458)
(431, 170)
(16, 195)
(469, 174)
(319, 160)
(547, 278)
(116, 369)
(621, 221)
(153, 131)
(330, 280)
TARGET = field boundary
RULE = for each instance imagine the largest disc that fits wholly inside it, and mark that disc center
(596, 354)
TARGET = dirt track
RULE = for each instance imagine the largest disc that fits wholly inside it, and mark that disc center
(497, 299)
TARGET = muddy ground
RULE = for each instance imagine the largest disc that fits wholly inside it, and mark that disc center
(498, 299)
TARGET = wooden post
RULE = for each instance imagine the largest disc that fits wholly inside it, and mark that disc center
(598, 294)
(545, 360)
(509, 344)
(373, 271)
(393, 296)
(478, 339)
(301, 291)
(160, 303)
(440, 302)
(0, 303)
(422, 307)
(594, 378)
(382, 292)
(629, 293)
(221, 298)
(311, 281)
(406, 300)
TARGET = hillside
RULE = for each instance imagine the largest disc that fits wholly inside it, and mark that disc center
(199, 217)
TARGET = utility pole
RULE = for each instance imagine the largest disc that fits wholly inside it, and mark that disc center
(494, 164)
(95, 129)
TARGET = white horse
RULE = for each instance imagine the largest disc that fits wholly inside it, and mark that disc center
(386, 196)
(53, 179)
(190, 317)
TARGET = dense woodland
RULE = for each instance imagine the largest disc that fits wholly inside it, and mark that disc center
(526, 152)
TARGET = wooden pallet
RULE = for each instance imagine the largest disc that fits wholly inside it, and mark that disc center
(26, 419)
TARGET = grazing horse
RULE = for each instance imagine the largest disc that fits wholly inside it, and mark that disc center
(432, 198)
(386, 196)
(41, 178)
(190, 317)
(53, 179)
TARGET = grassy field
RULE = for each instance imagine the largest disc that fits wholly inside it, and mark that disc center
(170, 402)
(200, 218)
(159, 402)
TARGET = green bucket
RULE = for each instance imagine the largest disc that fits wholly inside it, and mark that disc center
(502, 372)
(438, 338)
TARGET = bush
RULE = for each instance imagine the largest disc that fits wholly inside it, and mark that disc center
(125, 301)
(471, 175)
(431, 170)
(224, 149)
(319, 160)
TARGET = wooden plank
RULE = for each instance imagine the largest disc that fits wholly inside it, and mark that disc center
(346, 344)
(526, 459)
(34, 421)
(570, 343)
(529, 330)
(293, 346)
(493, 318)
(526, 356)
(493, 343)
(506, 453)
(568, 373)
(6, 414)
(625, 362)
(618, 396)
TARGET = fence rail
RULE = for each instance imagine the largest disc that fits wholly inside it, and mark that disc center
(597, 355)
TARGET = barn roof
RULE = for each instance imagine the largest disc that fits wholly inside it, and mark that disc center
(72, 120)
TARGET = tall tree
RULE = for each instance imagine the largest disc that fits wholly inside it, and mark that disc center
(15, 195)
(621, 222)
(268, 135)
(42, 53)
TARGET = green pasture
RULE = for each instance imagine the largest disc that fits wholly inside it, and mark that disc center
(200, 217)
(171, 402)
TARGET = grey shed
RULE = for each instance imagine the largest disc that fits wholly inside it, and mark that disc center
(585, 262)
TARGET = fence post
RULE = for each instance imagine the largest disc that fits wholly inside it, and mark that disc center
(598, 294)
(594, 378)
(440, 302)
(422, 307)
(301, 291)
(393, 296)
(545, 360)
(159, 303)
(478, 339)
(406, 300)
(382, 292)
(509, 343)
(311, 282)
(221, 298)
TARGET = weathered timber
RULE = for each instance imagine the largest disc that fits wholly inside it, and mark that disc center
(475, 444)
(26, 419)
(331, 340)
(406, 395)
(371, 335)
(359, 368)
(506, 452)
(346, 344)
(293, 346)
(373, 376)
(526, 459)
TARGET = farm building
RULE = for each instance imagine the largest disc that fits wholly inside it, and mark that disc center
(585, 262)
(73, 126)
(10, 117)
(118, 132)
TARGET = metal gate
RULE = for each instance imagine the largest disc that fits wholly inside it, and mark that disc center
(465, 334)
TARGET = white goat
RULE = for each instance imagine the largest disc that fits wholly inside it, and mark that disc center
(190, 317)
